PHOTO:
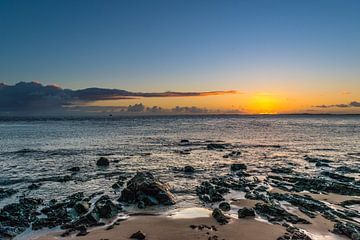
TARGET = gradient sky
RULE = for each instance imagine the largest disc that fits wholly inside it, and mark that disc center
(282, 56)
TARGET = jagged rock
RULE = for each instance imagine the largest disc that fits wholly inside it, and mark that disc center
(81, 207)
(238, 167)
(275, 213)
(345, 169)
(219, 216)
(138, 235)
(348, 229)
(224, 206)
(306, 204)
(293, 233)
(147, 188)
(246, 212)
(103, 162)
(338, 177)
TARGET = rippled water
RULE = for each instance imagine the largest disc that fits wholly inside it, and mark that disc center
(37, 150)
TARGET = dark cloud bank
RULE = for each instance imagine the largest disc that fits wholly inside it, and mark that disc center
(33, 97)
(343, 105)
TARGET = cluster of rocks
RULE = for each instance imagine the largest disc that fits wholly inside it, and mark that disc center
(145, 189)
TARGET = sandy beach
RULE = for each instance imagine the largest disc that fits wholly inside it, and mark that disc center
(161, 228)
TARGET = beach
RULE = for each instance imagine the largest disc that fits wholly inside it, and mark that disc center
(210, 177)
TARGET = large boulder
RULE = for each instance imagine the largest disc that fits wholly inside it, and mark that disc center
(146, 188)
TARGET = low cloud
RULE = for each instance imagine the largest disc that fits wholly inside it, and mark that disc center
(342, 105)
(33, 97)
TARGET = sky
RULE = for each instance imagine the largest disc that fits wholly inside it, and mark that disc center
(280, 56)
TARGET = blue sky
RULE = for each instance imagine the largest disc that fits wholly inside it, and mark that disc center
(250, 46)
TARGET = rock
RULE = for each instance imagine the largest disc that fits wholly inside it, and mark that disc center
(350, 202)
(216, 146)
(275, 213)
(338, 177)
(105, 208)
(5, 193)
(184, 142)
(81, 207)
(147, 188)
(306, 204)
(219, 216)
(189, 169)
(293, 233)
(238, 167)
(348, 229)
(82, 231)
(246, 212)
(233, 154)
(345, 169)
(224, 206)
(33, 186)
(74, 169)
(282, 170)
(138, 236)
(103, 162)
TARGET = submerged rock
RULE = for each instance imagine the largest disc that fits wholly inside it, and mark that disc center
(189, 169)
(219, 216)
(282, 170)
(148, 189)
(246, 212)
(7, 192)
(103, 162)
(33, 186)
(74, 169)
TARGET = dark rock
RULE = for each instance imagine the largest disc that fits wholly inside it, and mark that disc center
(219, 216)
(238, 167)
(224, 206)
(33, 186)
(345, 169)
(189, 169)
(103, 162)
(315, 160)
(306, 204)
(275, 213)
(293, 233)
(338, 177)
(246, 212)
(138, 236)
(216, 146)
(282, 170)
(350, 202)
(348, 229)
(81, 207)
(74, 169)
(5, 193)
(105, 208)
(147, 188)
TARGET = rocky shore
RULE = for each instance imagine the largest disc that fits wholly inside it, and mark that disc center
(283, 202)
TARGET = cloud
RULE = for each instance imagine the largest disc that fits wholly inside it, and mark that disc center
(342, 105)
(33, 96)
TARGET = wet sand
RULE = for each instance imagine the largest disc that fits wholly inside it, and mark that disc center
(165, 228)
